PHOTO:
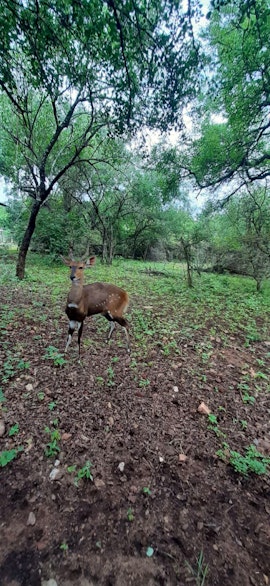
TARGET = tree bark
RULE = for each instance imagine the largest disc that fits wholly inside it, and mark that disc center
(187, 254)
(258, 284)
(111, 247)
(104, 247)
(20, 268)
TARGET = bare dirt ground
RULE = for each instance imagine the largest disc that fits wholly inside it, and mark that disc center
(162, 508)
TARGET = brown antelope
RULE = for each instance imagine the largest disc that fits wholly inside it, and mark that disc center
(83, 300)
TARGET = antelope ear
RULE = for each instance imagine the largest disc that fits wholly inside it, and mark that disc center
(66, 261)
(90, 261)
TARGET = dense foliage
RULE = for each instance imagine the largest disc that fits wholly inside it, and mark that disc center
(238, 90)
(73, 75)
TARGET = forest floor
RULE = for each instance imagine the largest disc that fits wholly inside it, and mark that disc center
(118, 479)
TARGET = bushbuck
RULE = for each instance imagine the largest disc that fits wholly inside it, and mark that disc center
(84, 300)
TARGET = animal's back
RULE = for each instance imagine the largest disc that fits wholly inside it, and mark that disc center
(104, 298)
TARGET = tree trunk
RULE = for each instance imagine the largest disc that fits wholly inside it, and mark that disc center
(258, 284)
(111, 247)
(189, 276)
(104, 248)
(20, 268)
(187, 254)
(146, 250)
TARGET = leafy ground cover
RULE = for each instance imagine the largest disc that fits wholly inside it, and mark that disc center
(110, 475)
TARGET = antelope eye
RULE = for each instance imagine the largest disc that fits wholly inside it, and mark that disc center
(80, 268)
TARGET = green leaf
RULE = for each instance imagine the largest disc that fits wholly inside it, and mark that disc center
(13, 430)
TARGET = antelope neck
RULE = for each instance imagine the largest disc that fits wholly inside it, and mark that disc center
(75, 292)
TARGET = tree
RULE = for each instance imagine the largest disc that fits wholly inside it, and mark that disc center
(69, 69)
(237, 148)
(120, 199)
(239, 235)
(191, 238)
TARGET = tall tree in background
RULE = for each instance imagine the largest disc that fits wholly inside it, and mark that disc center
(120, 198)
(69, 69)
(238, 148)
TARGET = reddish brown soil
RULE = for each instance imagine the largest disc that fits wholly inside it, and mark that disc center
(136, 417)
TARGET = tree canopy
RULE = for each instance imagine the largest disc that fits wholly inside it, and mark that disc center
(70, 69)
(237, 148)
